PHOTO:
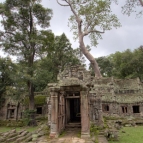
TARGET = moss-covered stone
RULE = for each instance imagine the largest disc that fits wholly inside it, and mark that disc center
(39, 100)
(11, 123)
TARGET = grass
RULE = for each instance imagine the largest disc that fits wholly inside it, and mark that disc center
(6, 129)
(131, 135)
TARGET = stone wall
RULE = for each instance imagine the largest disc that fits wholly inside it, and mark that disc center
(13, 109)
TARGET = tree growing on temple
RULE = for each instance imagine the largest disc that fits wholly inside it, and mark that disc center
(20, 36)
(92, 18)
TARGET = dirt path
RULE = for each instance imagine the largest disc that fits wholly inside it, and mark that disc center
(69, 136)
(102, 139)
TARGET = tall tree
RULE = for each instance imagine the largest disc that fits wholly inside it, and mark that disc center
(92, 18)
(106, 66)
(7, 68)
(47, 69)
(126, 64)
(20, 36)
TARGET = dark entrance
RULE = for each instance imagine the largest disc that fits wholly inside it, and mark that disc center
(39, 110)
(72, 108)
(136, 109)
(75, 110)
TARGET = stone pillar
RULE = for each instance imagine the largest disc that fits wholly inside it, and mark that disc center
(130, 109)
(8, 113)
(100, 117)
(15, 113)
(85, 126)
(54, 114)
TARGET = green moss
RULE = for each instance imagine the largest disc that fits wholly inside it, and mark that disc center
(39, 100)
(62, 134)
(112, 118)
(11, 123)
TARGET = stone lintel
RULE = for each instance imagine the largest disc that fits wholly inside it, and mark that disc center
(52, 84)
(54, 89)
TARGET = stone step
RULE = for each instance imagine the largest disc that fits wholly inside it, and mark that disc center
(101, 133)
(73, 125)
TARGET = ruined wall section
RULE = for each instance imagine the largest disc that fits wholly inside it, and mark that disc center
(126, 98)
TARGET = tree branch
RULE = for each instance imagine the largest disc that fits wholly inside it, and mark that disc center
(92, 31)
(10, 33)
(62, 4)
(141, 2)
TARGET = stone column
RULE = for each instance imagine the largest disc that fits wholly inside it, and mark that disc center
(85, 126)
(8, 113)
(130, 109)
(54, 114)
(16, 112)
(100, 118)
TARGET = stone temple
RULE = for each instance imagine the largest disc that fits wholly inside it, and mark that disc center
(79, 99)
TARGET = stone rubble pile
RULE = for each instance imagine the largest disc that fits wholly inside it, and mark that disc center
(23, 136)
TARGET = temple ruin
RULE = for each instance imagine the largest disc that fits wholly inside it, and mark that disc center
(78, 99)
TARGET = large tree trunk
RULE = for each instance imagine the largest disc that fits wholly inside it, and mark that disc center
(81, 36)
(32, 120)
(31, 96)
(92, 60)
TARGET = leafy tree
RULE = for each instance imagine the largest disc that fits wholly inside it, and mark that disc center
(20, 36)
(137, 64)
(7, 69)
(125, 64)
(105, 65)
(47, 69)
(121, 63)
(90, 18)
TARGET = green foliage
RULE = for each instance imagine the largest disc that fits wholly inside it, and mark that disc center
(95, 14)
(11, 123)
(94, 132)
(61, 54)
(126, 64)
(6, 129)
(21, 37)
(39, 100)
(27, 116)
(105, 65)
(7, 70)
(62, 134)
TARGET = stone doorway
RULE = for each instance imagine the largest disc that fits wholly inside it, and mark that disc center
(10, 113)
(73, 109)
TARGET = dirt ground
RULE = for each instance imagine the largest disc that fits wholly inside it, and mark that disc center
(71, 136)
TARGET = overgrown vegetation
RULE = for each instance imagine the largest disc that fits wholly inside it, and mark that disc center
(125, 64)
(39, 100)
(94, 130)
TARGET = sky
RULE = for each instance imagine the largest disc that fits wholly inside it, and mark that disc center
(128, 36)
